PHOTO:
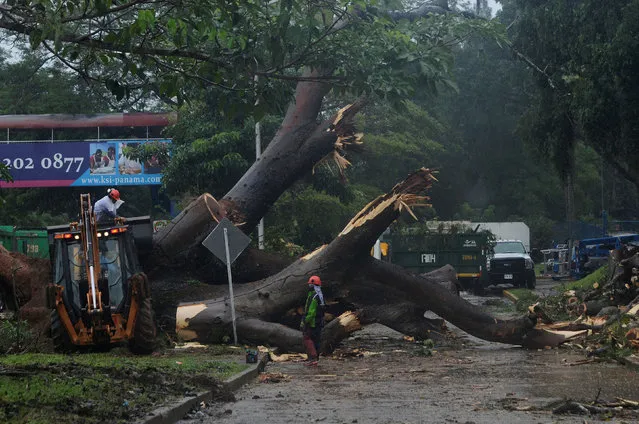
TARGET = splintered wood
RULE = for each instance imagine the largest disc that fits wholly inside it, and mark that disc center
(402, 196)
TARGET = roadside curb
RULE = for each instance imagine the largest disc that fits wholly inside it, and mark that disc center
(631, 361)
(511, 296)
(175, 412)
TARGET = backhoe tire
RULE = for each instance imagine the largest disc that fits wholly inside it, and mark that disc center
(59, 335)
(144, 333)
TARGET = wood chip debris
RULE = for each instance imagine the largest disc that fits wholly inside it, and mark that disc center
(274, 377)
(357, 353)
(285, 357)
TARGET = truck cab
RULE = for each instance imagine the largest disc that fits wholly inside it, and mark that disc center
(510, 263)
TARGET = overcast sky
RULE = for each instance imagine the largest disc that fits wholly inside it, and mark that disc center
(494, 6)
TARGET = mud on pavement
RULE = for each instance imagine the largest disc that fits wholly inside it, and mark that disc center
(379, 377)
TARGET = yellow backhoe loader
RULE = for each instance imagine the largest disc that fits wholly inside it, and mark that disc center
(99, 295)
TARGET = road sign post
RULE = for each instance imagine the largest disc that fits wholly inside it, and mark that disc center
(226, 242)
(230, 276)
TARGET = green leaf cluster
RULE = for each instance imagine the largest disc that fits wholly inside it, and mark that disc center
(5, 175)
(157, 151)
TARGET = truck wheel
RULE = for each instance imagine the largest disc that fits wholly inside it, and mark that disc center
(59, 335)
(145, 331)
(532, 281)
(478, 287)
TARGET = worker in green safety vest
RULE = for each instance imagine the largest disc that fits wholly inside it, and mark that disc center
(313, 320)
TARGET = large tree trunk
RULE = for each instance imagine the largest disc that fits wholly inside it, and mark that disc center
(298, 145)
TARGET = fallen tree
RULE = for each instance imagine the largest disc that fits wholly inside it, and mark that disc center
(346, 266)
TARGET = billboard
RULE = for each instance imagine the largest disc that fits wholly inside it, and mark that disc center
(77, 163)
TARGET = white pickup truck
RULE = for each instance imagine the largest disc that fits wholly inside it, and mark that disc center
(511, 264)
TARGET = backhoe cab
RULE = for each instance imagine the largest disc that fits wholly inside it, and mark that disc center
(99, 295)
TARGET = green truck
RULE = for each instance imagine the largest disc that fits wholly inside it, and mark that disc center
(31, 242)
(466, 252)
(34, 242)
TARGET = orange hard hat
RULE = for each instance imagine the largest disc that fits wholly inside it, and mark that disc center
(315, 280)
(113, 193)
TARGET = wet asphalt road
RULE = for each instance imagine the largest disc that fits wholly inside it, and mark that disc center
(545, 287)
(378, 377)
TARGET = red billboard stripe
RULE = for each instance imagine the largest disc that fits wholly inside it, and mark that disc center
(138, 119)
(36, 183)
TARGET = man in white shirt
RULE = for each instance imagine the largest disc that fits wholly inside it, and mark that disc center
(106, 208)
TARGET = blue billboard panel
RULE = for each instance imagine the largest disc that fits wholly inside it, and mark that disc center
(82, 163)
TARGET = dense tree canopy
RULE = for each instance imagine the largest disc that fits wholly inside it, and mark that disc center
(248, 50)
(589, 87)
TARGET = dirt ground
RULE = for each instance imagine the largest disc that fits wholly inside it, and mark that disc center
(378, 377)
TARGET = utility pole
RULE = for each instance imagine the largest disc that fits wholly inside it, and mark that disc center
(258, 153)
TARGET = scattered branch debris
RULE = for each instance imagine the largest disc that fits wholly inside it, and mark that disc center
(615, 408)
(603, 315)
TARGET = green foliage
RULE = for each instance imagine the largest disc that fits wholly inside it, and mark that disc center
(5, 175)
(222, 45)
(206, 165)
(525, 298)
(34, 85)
(15, 336)
(306, 218)
(468, 213)
(588, 51)
(210, 152)
(154, 151)
(397, 142)
(599, 276)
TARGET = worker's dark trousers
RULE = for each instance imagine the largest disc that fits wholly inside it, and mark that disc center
(312, 338)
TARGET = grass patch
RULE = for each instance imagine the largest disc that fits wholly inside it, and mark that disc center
(599, 276)
(499, 306)
(525, 298)
(112, 387)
